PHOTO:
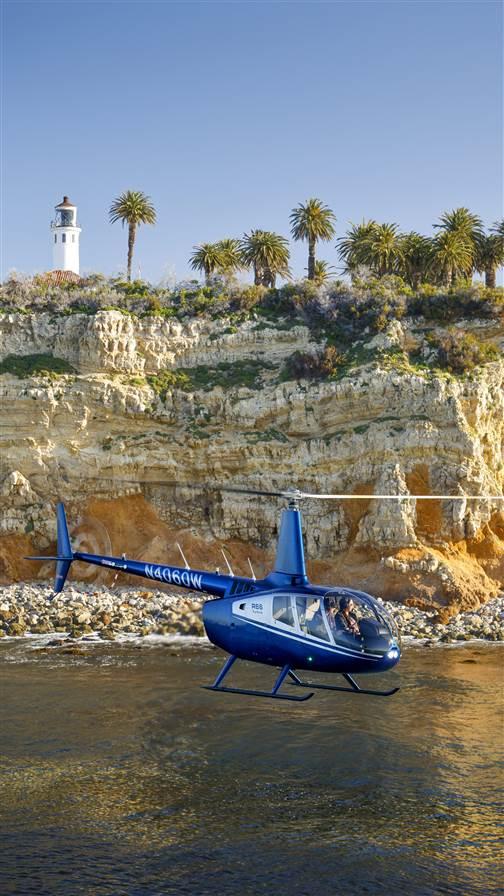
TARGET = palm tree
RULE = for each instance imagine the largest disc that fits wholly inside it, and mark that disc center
(490, 256)
(468, 227)
(416, 257)
(208, 258)
(353, 248)
(312, 222)
(383, 249)
(267, 253)
(453, 255)
(232, 260)
(323, 272)
(132, 208)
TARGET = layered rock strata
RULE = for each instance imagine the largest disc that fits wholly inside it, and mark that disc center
(126, 456)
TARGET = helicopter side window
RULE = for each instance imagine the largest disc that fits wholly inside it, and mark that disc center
(311, 616)
(282, 610)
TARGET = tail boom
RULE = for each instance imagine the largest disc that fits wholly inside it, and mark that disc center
(194, 580)
(182, 577)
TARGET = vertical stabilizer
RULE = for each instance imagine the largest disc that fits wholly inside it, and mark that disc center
(65, 555)
(290, 552)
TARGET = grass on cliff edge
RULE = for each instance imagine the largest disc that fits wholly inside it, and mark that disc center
(227, 375)
(24, 366)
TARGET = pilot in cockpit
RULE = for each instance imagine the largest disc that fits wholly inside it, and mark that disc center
(344, 619)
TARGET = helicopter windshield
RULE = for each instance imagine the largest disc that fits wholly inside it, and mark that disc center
(355, 617)
(362, 607)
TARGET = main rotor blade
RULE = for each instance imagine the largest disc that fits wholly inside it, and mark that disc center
(201, 487)
(401, 497)
(296, 494)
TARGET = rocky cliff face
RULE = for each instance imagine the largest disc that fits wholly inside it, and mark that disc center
(92, 437)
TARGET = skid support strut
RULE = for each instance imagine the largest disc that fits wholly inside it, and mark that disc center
(353, 689)
(273, 694)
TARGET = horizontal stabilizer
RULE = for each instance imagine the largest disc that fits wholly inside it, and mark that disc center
(48, 558)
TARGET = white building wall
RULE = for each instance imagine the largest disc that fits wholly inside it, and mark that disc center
(66, 248)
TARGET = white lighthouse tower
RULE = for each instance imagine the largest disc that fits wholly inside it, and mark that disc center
(65, 235)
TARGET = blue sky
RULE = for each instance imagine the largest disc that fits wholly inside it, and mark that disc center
(228, 114)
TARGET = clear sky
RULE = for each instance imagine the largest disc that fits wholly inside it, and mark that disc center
(229, 113)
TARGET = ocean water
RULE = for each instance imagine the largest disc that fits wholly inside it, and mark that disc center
(120, 776)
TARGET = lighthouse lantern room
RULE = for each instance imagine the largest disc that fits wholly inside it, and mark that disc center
(65, 236)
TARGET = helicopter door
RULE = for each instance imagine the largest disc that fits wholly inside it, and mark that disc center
(312, 618)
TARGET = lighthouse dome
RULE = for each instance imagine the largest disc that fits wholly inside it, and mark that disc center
(66, 203)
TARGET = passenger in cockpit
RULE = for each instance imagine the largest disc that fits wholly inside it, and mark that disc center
(344, 620)
(331, 608)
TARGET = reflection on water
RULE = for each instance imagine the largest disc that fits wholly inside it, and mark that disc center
(121, 776)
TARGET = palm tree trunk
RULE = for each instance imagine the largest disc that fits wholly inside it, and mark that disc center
(131, 243)
(490, 277)
(257, 276)
(311, 259)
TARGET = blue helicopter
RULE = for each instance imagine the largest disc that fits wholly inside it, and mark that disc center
(281, 620)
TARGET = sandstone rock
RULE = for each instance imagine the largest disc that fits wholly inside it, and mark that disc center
(41, 628)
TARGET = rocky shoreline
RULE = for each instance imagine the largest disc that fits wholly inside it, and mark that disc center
(86, 612)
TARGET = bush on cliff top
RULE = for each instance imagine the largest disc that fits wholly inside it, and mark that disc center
(337, 313)
(460, 303)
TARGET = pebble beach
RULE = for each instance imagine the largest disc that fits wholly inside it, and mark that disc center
(84, 612)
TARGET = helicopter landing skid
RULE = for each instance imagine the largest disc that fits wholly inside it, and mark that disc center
(354, 689)
(273, 694)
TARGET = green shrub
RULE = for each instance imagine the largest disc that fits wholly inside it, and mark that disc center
(388, 286)
(460, 352)
(350, 316)
(331, 361)
(310, 366)
(459, 303)
(205, 301)
(138, 289)
(24, 366)
(227, 375)
(247, 298)
(166, 380)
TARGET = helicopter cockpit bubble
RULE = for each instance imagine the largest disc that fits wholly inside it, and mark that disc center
(356, 618)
